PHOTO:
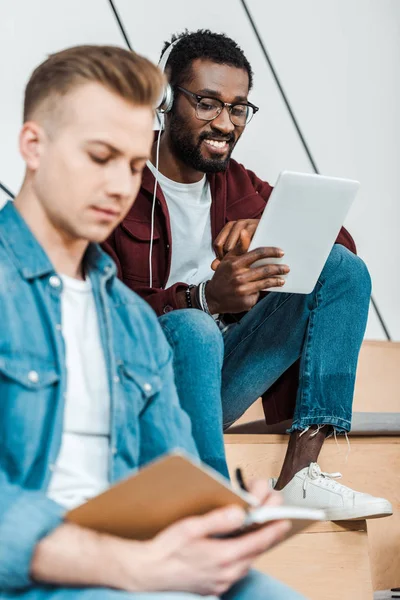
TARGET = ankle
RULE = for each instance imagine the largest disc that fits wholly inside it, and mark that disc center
(287, 475)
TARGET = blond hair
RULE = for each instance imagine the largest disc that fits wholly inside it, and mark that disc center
(123, 72)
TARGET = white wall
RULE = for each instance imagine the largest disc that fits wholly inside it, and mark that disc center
(29, 31)
(337, 61)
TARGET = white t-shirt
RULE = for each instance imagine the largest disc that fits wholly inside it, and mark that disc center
(81, 470)
(189, 207)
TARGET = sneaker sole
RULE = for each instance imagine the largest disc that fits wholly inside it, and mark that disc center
(360, 513)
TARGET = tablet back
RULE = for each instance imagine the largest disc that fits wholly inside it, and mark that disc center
(303, 216)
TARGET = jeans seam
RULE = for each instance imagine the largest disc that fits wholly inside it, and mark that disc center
(304, 383)
(258, 326)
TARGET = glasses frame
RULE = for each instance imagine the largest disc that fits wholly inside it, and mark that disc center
(228, 105)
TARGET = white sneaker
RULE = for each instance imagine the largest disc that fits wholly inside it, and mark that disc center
(312, 488)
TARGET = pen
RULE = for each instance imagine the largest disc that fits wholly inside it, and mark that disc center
(240, 480)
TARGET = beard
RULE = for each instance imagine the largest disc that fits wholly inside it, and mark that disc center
(188, 151)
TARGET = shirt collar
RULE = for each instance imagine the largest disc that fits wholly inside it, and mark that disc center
(29, 256)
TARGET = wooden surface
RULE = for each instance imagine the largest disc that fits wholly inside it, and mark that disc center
(331, 565)
(378, 378)
(373, 466)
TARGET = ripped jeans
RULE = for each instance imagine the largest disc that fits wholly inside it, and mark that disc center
(324, 329)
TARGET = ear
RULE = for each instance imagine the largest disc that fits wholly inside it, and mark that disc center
(31, 141)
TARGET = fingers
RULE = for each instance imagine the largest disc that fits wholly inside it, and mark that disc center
(234, 234)
(231, 574)
(233, 237)
(215, 523)
(259, 254)
(242, 244)
(255, 287)
(221, 239)
(264, 272)
(215, 264)
(255, 543)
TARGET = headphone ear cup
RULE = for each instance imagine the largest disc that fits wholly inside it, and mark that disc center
(167, 100)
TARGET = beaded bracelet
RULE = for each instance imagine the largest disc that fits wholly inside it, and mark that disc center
(189, 296)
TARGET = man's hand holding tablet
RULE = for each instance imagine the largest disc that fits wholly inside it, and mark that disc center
(303, 216)
(236, 286)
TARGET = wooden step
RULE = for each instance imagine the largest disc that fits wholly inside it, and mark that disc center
(327, 562)
(373, 466)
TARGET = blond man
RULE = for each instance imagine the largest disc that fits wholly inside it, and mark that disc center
(87, 393)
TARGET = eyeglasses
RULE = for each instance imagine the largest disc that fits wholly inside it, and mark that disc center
(208, 109)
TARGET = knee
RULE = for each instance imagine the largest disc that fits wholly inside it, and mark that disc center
(350, 268)
(198, 329)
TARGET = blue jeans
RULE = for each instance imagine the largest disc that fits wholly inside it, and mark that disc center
(253, 587)
(324, 329)
(198, 350)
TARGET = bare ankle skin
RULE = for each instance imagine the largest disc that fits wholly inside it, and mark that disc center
(303, 449)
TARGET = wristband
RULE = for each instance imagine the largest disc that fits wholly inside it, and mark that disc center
(189, 296)
(201, 296)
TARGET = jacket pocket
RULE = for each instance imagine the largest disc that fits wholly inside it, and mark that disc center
(29, 373)
(140, 230)
(140, 378)
(134, 249)
(29, 395)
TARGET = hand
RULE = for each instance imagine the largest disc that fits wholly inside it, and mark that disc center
(184, 557)
(236, 286)
(187, 557)
(229, 236)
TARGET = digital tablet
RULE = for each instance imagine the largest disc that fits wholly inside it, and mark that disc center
(170, 489)
(303, 217)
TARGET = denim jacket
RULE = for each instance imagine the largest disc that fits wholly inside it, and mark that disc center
(146, 419)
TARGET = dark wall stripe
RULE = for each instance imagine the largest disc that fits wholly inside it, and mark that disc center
(298, 129)
(120, 24)
(6, 190)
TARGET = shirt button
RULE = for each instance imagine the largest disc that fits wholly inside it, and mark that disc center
(147, 387)
(114, 450)
(55, 281)
(33, 376)
(58, 327)
(167, 309)
(116, 379)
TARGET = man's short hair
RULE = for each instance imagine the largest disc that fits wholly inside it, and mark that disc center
(205, 44)
(123, 72)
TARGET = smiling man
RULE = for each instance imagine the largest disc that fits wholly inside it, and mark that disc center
(299, 352)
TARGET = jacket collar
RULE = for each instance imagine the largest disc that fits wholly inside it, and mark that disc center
(29, 256)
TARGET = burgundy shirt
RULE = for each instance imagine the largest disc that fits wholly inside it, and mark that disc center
(236, 194)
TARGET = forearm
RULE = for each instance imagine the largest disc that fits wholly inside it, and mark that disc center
(73, 556)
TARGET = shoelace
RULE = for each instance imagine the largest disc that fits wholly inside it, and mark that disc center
(314, 472)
